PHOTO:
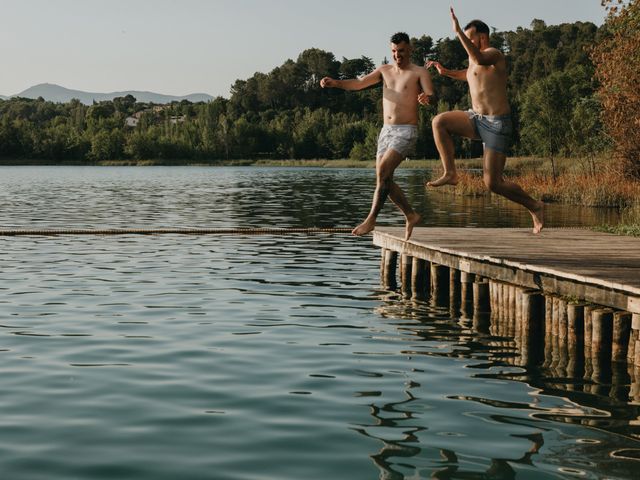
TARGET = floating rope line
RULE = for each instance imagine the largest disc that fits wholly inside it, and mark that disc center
(197, 231)
(161, 231)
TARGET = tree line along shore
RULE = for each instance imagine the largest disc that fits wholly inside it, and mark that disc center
(573, 89)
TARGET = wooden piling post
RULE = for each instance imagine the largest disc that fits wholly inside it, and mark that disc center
(466, 294)
(588, 329)
(419, 279)
(390, 261)
(511, 324)
(634, 391)
(555, 318)
(481, 319)
(454, 290)
(621, 333)
(498, 316)
(575, 325)
(439, 284)
(548, 315)
(575, 340)
(405, 274)
(601, 333)
(634, 341)
(563, 348)
(481, 297)
(504, 306)
(548, 330)
(562, 321)
(493, 297)
(587, 336)
(532, 327)
(518, 319)
(555, 355)
(601, 339)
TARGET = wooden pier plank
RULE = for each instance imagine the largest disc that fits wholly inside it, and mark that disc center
(601, 267)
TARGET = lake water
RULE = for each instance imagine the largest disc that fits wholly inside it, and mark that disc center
(266, 357)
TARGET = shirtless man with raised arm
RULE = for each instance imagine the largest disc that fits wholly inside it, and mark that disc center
(489, 120)
(402, 83)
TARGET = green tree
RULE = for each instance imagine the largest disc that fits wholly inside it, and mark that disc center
(588, 138)
(546, 111)
(422, 49)
(140, 146)
(355, 67)
(366, 149)
(107, 145)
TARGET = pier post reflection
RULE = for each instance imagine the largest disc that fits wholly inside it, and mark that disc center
(603, 400)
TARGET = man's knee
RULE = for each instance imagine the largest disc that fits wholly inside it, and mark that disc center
(388, 165)
(384, 174)
(492, 182)
(439, 122)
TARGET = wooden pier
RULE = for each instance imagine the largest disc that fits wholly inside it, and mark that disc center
(564, 290)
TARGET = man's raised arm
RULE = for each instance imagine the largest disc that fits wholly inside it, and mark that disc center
(490, 56)
(353, 83)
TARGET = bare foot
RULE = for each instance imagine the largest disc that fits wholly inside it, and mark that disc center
(412, 221)
(364, 228)
(538, 217)
(446, 179)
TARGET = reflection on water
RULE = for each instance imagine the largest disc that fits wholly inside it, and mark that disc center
(234, 197)
(268, 357)
(603, 414)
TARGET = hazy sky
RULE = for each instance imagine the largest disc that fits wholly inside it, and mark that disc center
(202, 46)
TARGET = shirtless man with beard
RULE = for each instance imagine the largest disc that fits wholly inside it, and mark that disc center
(489, 119)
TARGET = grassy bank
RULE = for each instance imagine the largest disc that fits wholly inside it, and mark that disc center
(570, 181)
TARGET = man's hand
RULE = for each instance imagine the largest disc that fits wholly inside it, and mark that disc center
(327, 82)
(454, 21)
(424, 99)
(437, 65)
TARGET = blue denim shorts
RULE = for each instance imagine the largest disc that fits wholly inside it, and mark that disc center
(401, 138)
(494, 130)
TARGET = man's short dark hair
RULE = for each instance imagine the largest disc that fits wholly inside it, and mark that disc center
(400, 37)
(479, 25)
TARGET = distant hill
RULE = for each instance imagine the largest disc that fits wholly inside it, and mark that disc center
(56, 93)
(2, 97)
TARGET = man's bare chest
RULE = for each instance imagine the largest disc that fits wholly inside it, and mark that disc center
(482, 74)
(407, 82)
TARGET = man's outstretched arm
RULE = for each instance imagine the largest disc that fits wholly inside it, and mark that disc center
(353, 83)
(445, 72)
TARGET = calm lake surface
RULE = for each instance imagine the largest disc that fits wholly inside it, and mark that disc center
(266, 357)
